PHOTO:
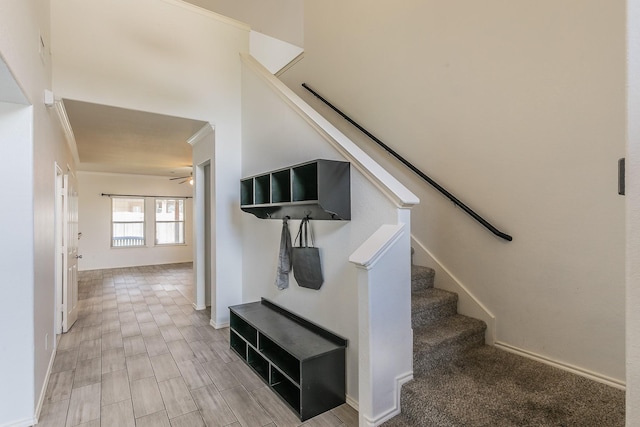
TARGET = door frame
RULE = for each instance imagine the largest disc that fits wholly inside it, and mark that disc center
(199, 246)
(59, 244)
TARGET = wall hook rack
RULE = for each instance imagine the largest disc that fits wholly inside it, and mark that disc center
(320, 189)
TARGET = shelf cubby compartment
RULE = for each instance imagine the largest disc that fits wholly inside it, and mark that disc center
(281, 186)
(258, 363)
(244, 329)
(319, 189)
(288, 391)
(305, 182)
(246, 191)
(238, 345)
(262, 189)
(281, 358)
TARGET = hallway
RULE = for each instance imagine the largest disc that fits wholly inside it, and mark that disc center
(140, 355)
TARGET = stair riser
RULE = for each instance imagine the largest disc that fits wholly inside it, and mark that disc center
(427, 317)
(424, 360)
(422, 281)
(422, 278)
(421, 414)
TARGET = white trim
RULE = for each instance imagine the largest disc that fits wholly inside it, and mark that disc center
(219, 325)
(395, 410)
(352, 402)
(481, 311)
(27, 422)
(197, 307)
(397, 192)
(370, 252)
(209, 14)
(291, 63)
(204, 131)
(564, 366)
(43, 392)
(67, 129)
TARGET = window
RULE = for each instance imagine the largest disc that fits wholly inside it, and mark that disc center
(127, 222)
(169, 222)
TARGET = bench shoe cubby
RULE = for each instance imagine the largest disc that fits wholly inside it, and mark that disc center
(303, 363)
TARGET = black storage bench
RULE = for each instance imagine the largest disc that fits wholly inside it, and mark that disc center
(301, 362)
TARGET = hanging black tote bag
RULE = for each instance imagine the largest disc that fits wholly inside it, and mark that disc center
(306, 260)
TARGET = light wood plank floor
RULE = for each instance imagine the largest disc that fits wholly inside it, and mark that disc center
(140, 355)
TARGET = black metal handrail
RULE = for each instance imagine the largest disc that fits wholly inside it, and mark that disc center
(421, 174)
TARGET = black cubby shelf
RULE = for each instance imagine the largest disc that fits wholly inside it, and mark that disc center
(320, 189)
(303, 363)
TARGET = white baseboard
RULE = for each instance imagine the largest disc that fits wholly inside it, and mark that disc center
(395, 410)
(198, 307)
(27, 422)
(219, 325)
(43, 392)
(351, 402)
(564, 366)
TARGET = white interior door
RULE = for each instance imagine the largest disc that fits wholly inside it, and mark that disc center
(70, 245)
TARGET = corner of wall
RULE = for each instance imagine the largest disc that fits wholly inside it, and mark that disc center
(468, 304)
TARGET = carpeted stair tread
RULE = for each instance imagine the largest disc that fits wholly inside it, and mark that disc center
(432, 304)
(421, 277)
(446, 331)
(486, 386)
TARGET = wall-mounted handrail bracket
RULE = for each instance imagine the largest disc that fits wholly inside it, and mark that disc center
(413, 168)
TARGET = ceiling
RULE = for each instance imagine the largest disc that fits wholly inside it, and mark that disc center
(118, 140)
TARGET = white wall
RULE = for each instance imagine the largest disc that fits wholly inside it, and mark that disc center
(22, 24)
(633, 213)
(166, 57)
(16, 263)
(94, 213)
(518, 109)
(282, 19)
(274, 136)
(273, 53)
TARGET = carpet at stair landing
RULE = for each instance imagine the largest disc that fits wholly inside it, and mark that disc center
(494, 388)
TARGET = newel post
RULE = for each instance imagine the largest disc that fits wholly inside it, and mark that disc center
(384, 315)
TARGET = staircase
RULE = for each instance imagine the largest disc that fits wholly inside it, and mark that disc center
(439, 332)
(440, 335)
(460, 382)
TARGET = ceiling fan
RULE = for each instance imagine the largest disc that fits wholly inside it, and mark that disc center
(188, 178)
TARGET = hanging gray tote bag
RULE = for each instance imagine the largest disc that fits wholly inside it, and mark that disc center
(306, 260)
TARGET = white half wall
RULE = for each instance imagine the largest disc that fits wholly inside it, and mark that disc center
(94, 212)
